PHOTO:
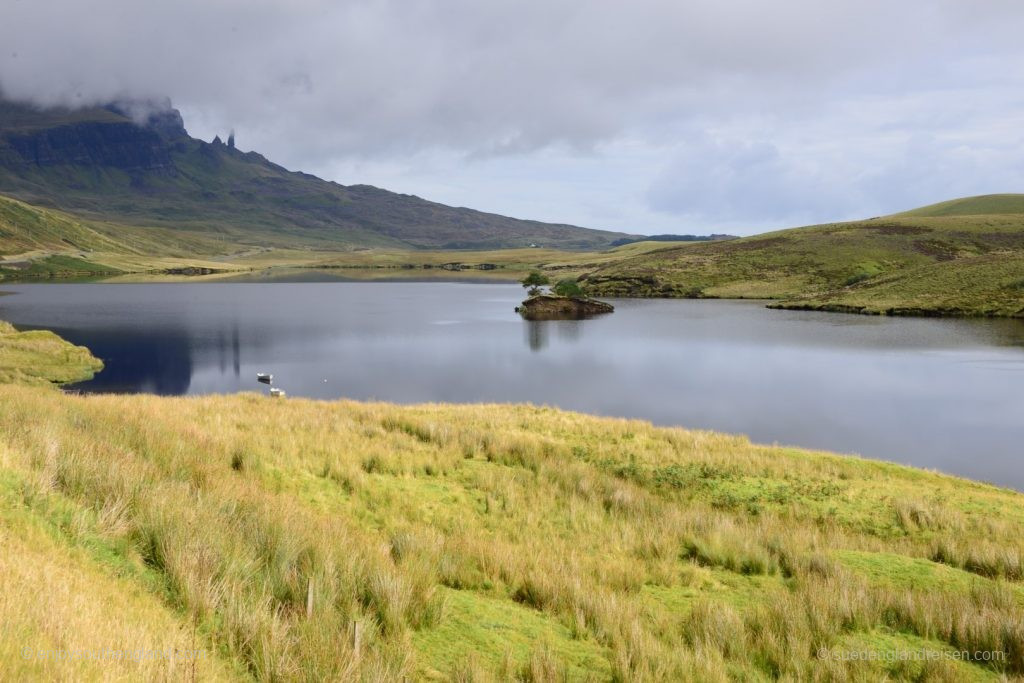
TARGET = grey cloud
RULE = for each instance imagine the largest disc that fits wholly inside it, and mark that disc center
(309, 82)
(517, 75)
(733, 181)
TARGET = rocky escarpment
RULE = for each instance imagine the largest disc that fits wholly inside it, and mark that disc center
(550, 307)
(121, 137)
(123, 146)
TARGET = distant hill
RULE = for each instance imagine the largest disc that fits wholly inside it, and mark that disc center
(103, 164)
(984, 205)
(962, 257)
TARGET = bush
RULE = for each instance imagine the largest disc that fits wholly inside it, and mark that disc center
(534, 281)
(567, 287)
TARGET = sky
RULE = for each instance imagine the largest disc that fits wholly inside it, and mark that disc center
(646, 116)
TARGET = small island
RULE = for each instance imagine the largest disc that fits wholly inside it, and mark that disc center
(565, 301)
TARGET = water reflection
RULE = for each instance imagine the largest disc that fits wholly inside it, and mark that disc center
(570, 330)
(536, 334)
(137, 361)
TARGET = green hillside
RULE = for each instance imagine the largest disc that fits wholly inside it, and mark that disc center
(479, 543)
(37, 242)
(39, 357)
(945, 259)
(101, 165)
(25, 228)
(984, 205)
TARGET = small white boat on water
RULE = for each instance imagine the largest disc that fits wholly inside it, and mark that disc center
(277, 393)
(264, 377)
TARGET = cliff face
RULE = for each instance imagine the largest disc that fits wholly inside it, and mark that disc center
(123, 146)
(103, 138)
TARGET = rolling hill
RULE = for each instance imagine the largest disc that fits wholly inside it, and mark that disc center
(962, 257)
(101, 165)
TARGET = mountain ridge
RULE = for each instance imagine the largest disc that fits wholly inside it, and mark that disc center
(124, 163)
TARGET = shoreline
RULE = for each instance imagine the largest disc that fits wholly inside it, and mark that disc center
(457, 535)
(430, 273)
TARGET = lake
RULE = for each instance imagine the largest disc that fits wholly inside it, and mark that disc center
(942, 394)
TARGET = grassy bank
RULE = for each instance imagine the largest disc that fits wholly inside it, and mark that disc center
(39, 357)
(481, 542)
(983, 285)
(958, 258)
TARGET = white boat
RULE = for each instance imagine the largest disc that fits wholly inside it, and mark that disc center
(277, 393)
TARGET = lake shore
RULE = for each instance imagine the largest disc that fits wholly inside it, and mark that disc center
(747, 370)
(409, 520)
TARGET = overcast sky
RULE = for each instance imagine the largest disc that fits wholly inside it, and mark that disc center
(645, 116)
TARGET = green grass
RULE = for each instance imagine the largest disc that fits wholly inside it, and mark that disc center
(25, 228)
(964, 257)
(58, 266)
(909, 573)
(983, 285)
(481, 542)
(496, 632)
(983, 205)
(43, 243)
(40, 357)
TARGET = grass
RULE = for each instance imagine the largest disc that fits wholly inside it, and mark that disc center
(482, 542)
(983, 205)
(964, 257)
(982, 285)
(40, 357)
(59, 601)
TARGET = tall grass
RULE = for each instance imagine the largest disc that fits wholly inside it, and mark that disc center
(582, 548)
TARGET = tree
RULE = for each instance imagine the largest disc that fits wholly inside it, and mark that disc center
(534, 281)
(567, 287)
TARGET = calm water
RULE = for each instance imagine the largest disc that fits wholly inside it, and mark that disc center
(944, 394)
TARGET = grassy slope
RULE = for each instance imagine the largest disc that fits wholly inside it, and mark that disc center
(962, 257)
(26, 228)
(37, 242)
(241, 197)
(40, 357)
(988, 205)
(478, 541)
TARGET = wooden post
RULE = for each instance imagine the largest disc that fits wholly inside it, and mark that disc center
(309, 599)
(357, 638)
